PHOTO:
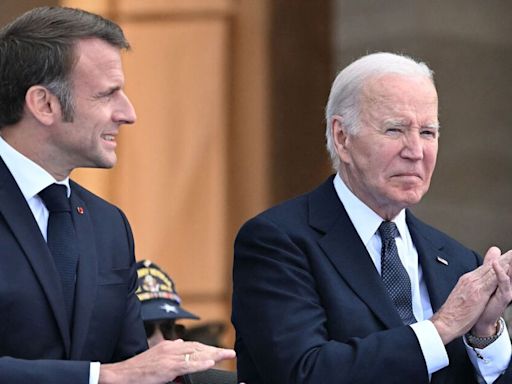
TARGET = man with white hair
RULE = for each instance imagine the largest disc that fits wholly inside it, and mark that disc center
(344, 284)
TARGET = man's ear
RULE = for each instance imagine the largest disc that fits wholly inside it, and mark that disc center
(42, 104)
(340, 137)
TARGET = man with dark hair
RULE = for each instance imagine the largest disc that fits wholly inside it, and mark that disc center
(68, 309)
(344, 284)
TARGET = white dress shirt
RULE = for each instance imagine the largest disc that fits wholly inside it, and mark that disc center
(32, 179)
(495, 358)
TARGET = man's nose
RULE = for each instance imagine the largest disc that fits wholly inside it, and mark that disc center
(413, 146)
(125, 112)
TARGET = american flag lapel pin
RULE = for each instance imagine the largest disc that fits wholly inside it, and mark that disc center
(80, 210)
(441, 260)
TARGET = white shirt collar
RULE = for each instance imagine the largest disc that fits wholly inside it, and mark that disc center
(30, 177)
(365, 220)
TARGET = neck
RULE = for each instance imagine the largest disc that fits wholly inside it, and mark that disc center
(31, 144)
(386, 211)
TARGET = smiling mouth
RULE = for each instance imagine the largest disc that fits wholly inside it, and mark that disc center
(109, 137)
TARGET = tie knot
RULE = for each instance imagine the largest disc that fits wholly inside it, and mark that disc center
(388, 230)
(55, 198)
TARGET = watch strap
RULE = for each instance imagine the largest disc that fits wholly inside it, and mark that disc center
(483, 342)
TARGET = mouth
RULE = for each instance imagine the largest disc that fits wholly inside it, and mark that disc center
(111, 138)
(408, 176)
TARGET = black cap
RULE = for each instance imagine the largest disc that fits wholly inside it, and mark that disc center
(157, 293)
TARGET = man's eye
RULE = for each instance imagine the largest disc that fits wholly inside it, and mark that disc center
(429, 133)
(394, 130)
(108, 94)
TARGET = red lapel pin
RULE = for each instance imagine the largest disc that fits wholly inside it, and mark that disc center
(80, 210)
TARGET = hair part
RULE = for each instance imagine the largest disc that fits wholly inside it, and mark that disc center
(38, 48)
(345, 96)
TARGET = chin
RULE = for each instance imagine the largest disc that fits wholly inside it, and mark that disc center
(106, 162)
(407, 199)
(412, 199)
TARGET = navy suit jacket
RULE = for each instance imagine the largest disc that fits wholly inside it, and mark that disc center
(35, 346)
(309, 305)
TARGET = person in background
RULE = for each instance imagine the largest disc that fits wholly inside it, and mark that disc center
(161, 308)
(160, 304)
(68, 308)
(344, 284)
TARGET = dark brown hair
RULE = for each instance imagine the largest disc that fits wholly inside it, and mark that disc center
(37, 48)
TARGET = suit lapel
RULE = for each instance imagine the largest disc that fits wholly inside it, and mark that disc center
(20, 219)
(347, 253)
(86, 275)
(438, 267)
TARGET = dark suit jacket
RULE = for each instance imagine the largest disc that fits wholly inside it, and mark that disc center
(309, 305)
(34, 344)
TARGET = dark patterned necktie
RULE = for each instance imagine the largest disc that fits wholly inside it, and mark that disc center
(61, 239)
(393, 274)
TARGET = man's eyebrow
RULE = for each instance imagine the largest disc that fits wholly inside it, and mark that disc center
(406, 123)
(109, 91)
(434, 125)
(397, 122)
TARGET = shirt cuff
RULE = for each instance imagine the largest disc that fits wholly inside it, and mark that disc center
(491, 361)
(94, 373)
(431, 345)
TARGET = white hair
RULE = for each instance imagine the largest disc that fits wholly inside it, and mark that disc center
(344, 98)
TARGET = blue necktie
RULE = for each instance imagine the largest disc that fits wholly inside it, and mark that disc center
(393, 274)
(61, 239)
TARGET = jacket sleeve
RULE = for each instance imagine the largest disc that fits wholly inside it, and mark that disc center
(19, 371)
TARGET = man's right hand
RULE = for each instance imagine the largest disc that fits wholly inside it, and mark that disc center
(164, 362)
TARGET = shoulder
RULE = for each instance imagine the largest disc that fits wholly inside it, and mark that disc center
(423, 232)
(433, 234)
(95, 203)
(318, 209)
(284, 216)
(108, 223)
(304, 216)
(86, 195)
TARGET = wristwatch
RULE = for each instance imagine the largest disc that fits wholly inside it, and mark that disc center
(482, 342)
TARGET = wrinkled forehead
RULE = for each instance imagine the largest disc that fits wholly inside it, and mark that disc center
(97, 66)
(397, 87)
(400, 96)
